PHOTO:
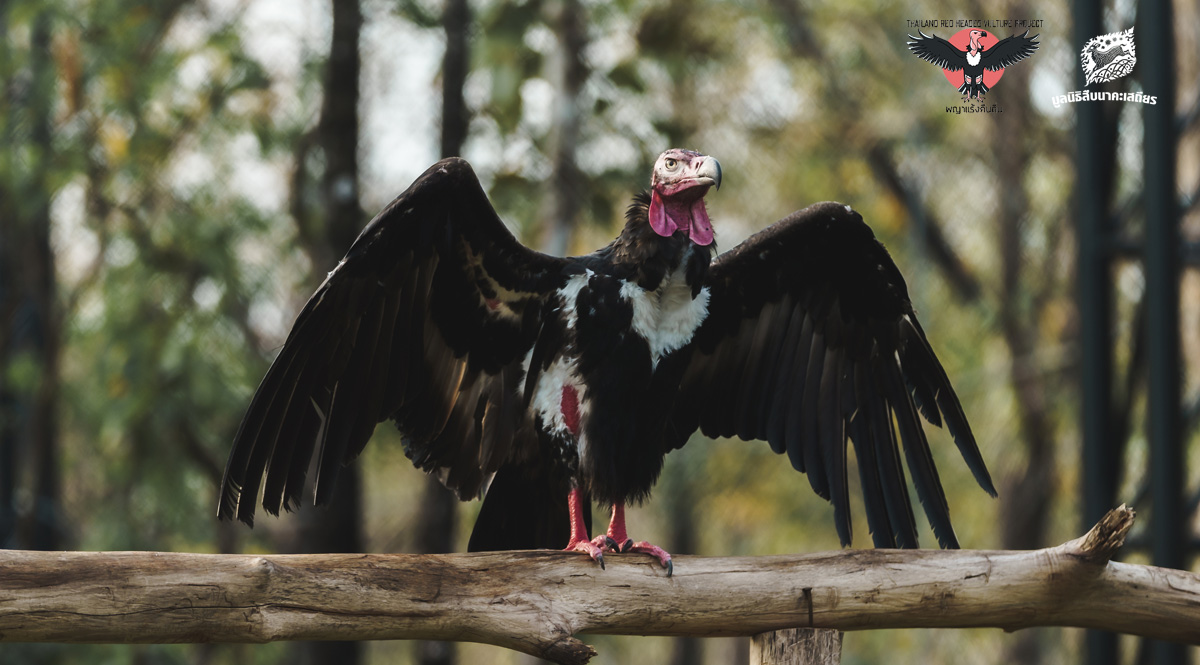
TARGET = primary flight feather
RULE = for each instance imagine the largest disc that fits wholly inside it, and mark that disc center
(542, 383)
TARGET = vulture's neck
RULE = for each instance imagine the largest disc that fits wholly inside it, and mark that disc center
(639, 254)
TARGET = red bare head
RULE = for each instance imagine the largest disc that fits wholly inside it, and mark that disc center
(678, 184)
(975, 35)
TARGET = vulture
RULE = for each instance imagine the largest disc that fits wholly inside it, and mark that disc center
(542, 383)
(974, 59)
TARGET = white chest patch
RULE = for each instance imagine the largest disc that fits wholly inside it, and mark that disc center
(974, 59)
(667, 317)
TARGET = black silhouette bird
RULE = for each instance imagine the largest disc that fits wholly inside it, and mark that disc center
(542, 383)
(975, 59)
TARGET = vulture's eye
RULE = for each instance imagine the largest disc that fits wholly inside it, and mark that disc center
(671, 164)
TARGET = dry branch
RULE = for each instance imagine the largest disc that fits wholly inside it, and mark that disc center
(537, 601)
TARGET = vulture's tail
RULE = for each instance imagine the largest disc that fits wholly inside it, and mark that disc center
(522, 511)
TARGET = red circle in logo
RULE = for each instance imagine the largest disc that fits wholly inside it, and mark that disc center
(961, 40)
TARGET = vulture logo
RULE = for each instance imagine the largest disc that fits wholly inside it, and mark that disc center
(1108, 57)
(973, 60)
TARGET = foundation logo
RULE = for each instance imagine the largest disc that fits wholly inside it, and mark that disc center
(973, 60)
(1108, 57)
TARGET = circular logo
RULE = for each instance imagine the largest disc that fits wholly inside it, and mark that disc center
(962, 40)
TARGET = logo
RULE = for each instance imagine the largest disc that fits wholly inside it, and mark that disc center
(973, 60)
(1103, 59)
(1108, 57)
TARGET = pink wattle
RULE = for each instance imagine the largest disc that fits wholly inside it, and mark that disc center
(669, 215)
(701, 229)
(662, 225)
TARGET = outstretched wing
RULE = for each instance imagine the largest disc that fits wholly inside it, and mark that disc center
(1010, 50)
(938, 51)
(810, 340)
(425, 321)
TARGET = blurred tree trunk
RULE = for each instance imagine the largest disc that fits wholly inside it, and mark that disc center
(338, 526)
(437, 517)
(31, 335)
(560, 212)
(1028, 492)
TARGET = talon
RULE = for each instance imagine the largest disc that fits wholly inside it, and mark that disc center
(627, 545)
(599, 557)
(612, 544)
(659, 553)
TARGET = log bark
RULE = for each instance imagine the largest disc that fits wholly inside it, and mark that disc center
(797, 646)
(536, 601)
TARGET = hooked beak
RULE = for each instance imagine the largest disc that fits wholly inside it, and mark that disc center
(709, 172)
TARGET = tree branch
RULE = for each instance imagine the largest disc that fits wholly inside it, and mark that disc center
(535, 601)
(958, 274)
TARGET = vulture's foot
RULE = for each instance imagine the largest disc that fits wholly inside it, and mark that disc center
(643, 547)
(617, 534)
(594, 548)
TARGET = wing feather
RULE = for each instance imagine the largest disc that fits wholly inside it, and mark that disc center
(795, 346)
(425, 321)
(887, 456)
(811, 331)
(918, 455)
(1009, 51)
(938, 51)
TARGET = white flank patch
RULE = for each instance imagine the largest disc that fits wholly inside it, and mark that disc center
(666, 318)
(974, 59)
(547, 396)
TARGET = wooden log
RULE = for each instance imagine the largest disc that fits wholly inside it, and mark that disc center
(536, 601)
(797, 646)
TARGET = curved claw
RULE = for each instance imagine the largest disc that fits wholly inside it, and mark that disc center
(591, 548)
(659, 553)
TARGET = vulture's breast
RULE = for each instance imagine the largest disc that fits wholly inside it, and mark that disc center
(666, 317)
(615, 334)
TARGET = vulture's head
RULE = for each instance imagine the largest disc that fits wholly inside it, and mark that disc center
(678, 184)
(975, 35)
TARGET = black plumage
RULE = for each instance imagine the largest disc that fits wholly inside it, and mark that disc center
(479, 348)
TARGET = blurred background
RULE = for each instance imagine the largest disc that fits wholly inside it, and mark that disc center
(177, 176)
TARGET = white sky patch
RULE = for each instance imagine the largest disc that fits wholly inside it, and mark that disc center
(121, 252)
(260, 182)
(75, 246)
(207, 294)
(477, 89)
(195, 73)
(281, 33)
(400, 109)
(267, 318)
(537, 97)
(769, 97)
(539, 37)
(189, 170)
(607, 152)
(605, 51)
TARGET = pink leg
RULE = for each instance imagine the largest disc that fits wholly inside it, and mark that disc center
(621, 539)
(579, 542)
